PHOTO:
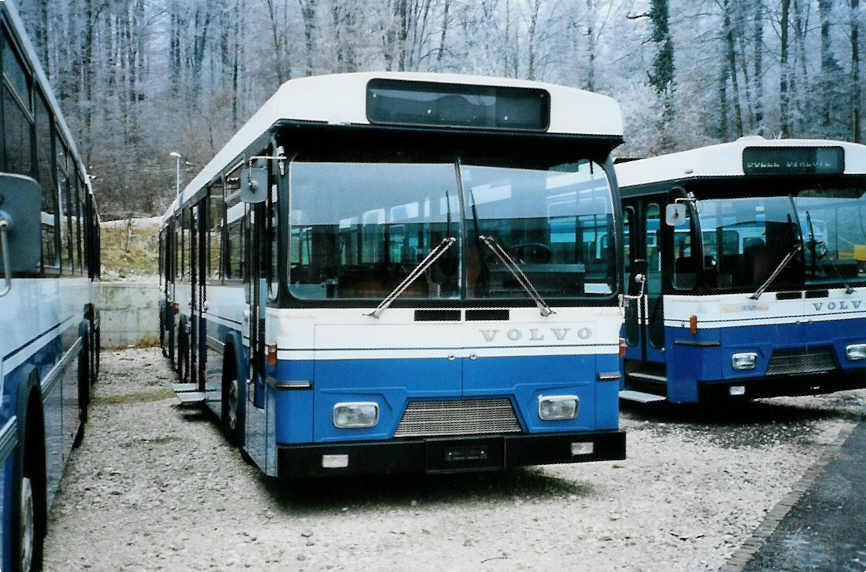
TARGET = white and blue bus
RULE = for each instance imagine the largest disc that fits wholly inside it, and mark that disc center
(49, 258)
(400, 272)
(746, 270)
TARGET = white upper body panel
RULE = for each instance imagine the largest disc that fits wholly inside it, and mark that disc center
(341, 99)
(724, 160)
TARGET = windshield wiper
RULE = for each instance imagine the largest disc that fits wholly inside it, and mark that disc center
(518, 274)
(788, 257)
(819, 250)
(428, 261)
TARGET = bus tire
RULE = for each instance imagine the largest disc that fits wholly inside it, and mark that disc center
(182, 352)
(232, 410)
(29, 509)
(162, 345)
(83, 383)
(96, 348)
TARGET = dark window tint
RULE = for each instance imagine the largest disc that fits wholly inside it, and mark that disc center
(235, 267)
(15, 73)
(215, 232)
(47, 178)
(69, 244)
(423, 103)
(16, 131)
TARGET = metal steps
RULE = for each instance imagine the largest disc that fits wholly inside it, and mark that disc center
(190, 397)
(188, 393)
(640, 396)
(182, 387)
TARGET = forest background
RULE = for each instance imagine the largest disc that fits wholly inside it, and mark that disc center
(139, 79)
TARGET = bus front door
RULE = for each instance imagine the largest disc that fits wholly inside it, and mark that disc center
(644, 314)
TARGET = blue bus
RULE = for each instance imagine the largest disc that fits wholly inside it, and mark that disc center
(49, 258)
(400, 272)
(746, 270)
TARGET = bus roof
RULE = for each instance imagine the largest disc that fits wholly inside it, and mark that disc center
(16, 25)
(340, 99)
(724, 160)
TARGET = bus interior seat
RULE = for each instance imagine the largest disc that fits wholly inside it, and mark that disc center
(756, 261)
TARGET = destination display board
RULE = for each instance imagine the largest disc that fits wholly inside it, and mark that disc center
(399, 102)
(793, 160)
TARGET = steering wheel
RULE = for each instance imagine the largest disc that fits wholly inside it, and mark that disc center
(539, 252)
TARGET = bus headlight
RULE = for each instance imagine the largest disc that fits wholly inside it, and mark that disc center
(743, 361)
(855, 352)
(356, 415)
(557, 407)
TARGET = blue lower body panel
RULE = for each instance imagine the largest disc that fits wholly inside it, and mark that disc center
(305, 415)
(304, 428)
(792, 359)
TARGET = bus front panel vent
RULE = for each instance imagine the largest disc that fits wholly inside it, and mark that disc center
(458, 417)
(799, 361)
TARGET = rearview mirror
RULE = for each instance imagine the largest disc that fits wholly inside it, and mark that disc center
(254, 184)
(20, 226)
(675, 214)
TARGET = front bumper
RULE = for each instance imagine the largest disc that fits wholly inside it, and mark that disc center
(450, 454)
(781, 385)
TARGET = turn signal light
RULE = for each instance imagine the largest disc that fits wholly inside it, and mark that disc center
(622, 347)
(272, 354)
(693, 324)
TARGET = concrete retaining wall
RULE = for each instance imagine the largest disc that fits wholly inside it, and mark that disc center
(129, 313)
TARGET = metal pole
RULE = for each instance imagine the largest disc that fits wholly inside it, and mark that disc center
(177, 156)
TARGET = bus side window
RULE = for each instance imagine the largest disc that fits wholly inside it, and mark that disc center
(46, 176)
(184, 244)
(627, 228)
(685, 263)
(76, 219)
(273, 239)
(16, 113)
(235, 242)
(66, 223)
(215, 232)
(178, 247)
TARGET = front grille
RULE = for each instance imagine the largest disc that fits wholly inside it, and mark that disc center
(811, 360)
(457, 417)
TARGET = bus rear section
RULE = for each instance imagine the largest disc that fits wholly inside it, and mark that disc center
(745, 275)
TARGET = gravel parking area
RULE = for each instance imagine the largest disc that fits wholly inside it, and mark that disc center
(156, 487)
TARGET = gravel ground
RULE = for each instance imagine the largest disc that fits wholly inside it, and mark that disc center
(156, 487)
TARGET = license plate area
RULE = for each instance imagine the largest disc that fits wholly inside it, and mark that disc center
(456, 455)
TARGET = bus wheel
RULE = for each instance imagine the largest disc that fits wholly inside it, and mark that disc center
(26, 526)
(97, 346)
(231, 403)
(28, 515)
(83, 388)
(162, 334)
(182, 358)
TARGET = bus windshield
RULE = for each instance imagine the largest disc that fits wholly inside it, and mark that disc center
(745, 239)
(556, 224)
(358, 229)
(833, 220)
